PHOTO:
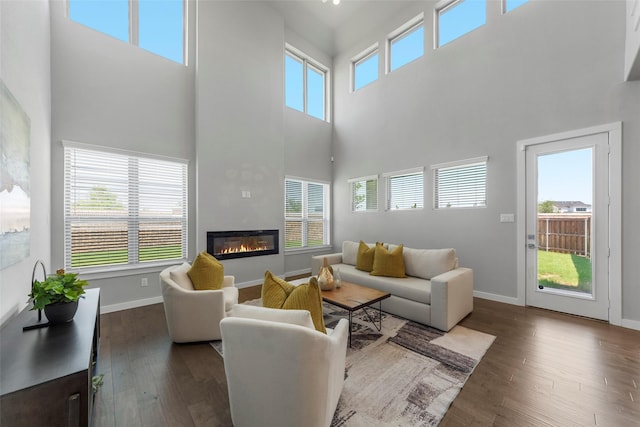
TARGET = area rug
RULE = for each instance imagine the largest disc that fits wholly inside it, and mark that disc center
(405, 375)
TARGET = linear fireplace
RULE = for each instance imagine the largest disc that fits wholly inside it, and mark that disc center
(241, 244)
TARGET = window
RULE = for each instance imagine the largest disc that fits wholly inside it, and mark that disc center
(122, 209)
(509, 5)
(364, 194)
(405, 189)
(458, 17)
(365, 68)
(305, 84)
(306, 214)
(460, 184)
(154, 25)
(406, 43)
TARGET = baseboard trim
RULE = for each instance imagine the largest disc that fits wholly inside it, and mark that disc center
(130, 304)
(496, 297)
(631, 324)
(249, 283)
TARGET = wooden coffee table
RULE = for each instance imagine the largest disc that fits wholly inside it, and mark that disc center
(352, 297)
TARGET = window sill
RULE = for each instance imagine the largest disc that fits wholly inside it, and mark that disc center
(307, 250)
(124, 270)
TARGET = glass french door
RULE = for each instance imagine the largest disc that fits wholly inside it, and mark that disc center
(567, 219)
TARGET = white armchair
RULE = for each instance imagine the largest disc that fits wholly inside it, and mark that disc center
(282, 374)
(194, 315)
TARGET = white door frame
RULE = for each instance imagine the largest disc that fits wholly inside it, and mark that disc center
(614, 130)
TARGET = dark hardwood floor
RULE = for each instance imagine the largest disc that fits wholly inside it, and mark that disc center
(544, 369)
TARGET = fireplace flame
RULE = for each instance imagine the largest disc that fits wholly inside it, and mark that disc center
(243, 248)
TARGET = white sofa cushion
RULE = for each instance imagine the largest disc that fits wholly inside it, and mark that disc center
(294, 317)
(411, 288)
(428, 263)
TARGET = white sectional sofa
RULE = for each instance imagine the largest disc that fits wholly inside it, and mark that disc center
(436, 292)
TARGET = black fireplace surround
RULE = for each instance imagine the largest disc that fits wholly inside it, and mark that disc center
(242, 244)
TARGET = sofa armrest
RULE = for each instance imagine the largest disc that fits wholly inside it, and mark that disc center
(228, 281)
(318, 260)
(193, 315)
(451, 297)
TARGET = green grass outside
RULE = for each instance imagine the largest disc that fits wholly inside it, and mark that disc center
(89, 259)
(564, 271)
(288, 244)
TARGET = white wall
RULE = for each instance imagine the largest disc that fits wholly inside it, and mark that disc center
(25, 70)
(240, 126)
(109, 93)
(632, 49)
(543, 68)
(246, 139)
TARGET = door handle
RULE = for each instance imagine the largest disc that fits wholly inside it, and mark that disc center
(531, 245)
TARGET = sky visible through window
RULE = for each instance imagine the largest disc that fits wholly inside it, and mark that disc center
(294, 76)
(512, 4)
(315, 93)
(366, 71)
(160, 23)
(407, 48)
(161, 28)
(566, 176)
(108, 16)
(461, 18)
(295, 84)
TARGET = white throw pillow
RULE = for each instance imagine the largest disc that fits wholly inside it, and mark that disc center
(180, 276)
(349, 252)
(428, 263)
(294, 317)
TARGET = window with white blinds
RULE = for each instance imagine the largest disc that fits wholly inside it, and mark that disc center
(364, 194)
(461, 184)
(306, 214)
(122, 209)
(405, 189)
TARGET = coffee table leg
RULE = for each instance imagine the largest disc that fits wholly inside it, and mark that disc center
(350, 326)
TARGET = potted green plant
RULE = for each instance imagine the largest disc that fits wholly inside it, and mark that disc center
(58, 295)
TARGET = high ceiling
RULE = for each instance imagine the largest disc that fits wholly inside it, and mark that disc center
(318, 22)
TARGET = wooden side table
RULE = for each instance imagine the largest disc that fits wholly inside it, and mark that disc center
(46, 373)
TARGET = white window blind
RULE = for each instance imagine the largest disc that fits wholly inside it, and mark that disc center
(405, 189)
(460, 184)
(364, 194)
(306, 213)
(123, 209)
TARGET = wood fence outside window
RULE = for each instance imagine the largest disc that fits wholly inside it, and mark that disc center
(565, 233)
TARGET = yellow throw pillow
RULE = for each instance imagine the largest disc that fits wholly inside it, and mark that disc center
(389, 264)
(364, 260)
(206, 272)
(278, 293)
(275, 291)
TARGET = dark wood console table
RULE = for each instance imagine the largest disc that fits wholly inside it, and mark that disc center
(46, 373)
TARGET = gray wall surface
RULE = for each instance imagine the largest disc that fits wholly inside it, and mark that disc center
(109, 93)
(524, 74)
(24, 69)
